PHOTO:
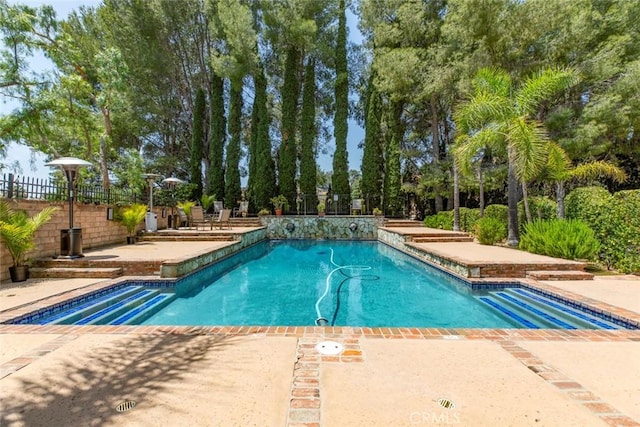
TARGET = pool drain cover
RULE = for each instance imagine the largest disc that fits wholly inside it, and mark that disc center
(446, 403)
(125, 406)
(329, 347)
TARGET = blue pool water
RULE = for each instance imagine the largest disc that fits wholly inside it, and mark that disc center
(347, 283)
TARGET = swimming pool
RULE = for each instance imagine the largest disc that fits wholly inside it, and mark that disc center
(333, 283)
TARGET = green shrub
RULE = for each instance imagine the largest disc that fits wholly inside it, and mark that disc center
(615, 221)
(568, 239)
(540, 207)
(442, 220)
(468, 219)
(491, 230)
(500, 212)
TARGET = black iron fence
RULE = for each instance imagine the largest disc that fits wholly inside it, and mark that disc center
(23, 187)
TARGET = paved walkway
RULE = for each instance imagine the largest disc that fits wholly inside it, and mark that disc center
(213, 376)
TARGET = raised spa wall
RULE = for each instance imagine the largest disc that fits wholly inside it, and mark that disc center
(314, 227)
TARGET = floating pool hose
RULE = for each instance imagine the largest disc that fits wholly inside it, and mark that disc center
(322, 321)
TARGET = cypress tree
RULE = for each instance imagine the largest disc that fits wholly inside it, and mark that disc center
(197, 143)
(288, 151)
(233, 191)
(340, 179)
(264, 184)
(217, 138)
(372, 156)
(392, 178)
(253, 151)
(308, 135)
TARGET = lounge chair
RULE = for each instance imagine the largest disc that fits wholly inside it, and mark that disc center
(356, 205)
(184, 219)
(243, 210)
(223, 218)
(198, 218)
(217, 207)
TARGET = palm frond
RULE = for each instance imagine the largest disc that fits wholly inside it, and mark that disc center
(482, 109)
(558, 162)
(492, 80)
(528, 143)
(543, 86)
(597, 169)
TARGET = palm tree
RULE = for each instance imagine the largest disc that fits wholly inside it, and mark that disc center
(501, 117)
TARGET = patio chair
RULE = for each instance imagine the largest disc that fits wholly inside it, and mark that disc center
(217, 207)
(184, 219)
(356, 205)
(223, 218)
(198, 218)
(242, 210)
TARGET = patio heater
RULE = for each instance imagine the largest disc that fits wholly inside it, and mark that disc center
(172, 183)
(71, 239)
(151, 219)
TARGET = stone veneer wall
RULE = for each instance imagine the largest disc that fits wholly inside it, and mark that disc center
(96, 229)
(328, 227)
(179, 268)
(398, 242)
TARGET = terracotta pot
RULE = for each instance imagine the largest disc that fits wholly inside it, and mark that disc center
(278, 212)
(19, 274)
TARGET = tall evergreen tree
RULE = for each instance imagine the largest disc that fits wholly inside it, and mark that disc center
(197, 143)
(308, 135)
(372, 157)
(264, 186)
(233, 192)
(217, 137)
(288, 151)
(392, 178)
(340, 179)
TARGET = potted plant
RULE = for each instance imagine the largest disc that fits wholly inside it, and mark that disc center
(264, 212)
(279, 202)
(130, 218)
(18, 230)
(377, 211)
(321, 208)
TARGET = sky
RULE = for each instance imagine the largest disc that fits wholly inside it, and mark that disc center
(32, 163)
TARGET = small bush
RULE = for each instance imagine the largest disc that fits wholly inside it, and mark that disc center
(568, 239)
(491, 230)
(442, 220)
(500, 212)
(468, 219)
(540, 207)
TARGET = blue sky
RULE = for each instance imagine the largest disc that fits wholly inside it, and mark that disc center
(32, 163)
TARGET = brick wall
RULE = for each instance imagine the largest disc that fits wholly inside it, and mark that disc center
(96, 229)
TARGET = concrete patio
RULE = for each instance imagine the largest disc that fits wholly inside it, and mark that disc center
(273, 376)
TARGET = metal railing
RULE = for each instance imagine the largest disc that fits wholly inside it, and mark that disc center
(28, 188)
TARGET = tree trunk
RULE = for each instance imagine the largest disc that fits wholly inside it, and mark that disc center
(456, 196)
(560, 198)
(525, 199)
(481, 190)
(513, 238)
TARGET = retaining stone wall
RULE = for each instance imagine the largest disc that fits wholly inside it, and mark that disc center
(96, 229)
(328, 227)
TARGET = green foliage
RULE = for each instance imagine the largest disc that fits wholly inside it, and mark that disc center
(197, 143)
(393, 178)
(541, 208)
(280, 202)
(614, 220)
(321, 207)
(288, 150)
(18, 229)
(468, 219)
(264, 212)
(340, 178)
(264, 185)
(500, 212)
(131, 216)
(490, 230)
(442, 220)
(308, 136)
(568, 239)
(233, 191)
(207, 201)
(217, 137)
(372, 160)
(186, 206)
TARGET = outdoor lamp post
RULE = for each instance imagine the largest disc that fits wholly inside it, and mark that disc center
(151, 219)
(71, 239)
(172, 183)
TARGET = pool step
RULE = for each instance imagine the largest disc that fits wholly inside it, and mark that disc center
(559, 275)
(118, 309)
(535, 311)
(75, 272)
(144, 310)
(71, 315)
